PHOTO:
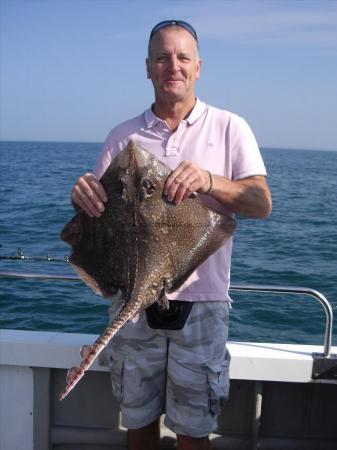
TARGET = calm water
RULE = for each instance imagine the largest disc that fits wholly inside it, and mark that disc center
(296, 246)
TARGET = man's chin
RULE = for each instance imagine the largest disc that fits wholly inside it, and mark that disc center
(173, 94)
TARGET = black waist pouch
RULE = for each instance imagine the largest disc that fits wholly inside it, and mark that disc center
(173, 318)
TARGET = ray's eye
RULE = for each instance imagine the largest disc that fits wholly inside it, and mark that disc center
(148, 187)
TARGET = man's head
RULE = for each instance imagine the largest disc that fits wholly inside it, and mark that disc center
(173, 63)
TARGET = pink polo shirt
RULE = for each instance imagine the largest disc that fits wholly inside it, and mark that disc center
(215, 140)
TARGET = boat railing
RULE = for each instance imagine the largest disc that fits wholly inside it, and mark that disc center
(233, 287)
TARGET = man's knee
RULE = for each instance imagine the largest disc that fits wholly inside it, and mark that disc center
(192, 443)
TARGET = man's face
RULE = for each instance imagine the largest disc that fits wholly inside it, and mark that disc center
(173, 64)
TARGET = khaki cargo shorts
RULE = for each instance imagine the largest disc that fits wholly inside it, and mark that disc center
(182, 373)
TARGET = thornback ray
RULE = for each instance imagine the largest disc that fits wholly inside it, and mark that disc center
(142, 246)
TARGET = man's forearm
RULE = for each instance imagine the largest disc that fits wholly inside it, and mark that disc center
(249, 197)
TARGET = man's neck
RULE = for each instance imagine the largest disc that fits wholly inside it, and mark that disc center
(173, 112)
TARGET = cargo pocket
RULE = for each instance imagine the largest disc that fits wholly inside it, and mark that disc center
(217, 370)
(116, 374)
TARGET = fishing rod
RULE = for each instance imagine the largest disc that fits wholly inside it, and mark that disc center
(20, 256)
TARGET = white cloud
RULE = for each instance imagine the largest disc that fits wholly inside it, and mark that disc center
(266, 22)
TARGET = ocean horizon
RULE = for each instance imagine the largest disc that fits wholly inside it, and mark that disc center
(98, 142)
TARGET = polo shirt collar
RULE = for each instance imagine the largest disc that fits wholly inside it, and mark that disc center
(150, 118)
(197, 112)
(199, 108)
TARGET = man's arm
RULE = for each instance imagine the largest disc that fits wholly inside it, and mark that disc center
(249, 197)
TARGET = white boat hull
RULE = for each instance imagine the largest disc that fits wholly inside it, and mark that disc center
(274, 404)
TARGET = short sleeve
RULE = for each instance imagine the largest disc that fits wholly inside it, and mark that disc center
(246, 157)
(109, 151)
(102, 163)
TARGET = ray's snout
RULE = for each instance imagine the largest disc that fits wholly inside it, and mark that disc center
(132, 157)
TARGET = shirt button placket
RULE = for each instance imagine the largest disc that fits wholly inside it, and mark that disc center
(173, 143)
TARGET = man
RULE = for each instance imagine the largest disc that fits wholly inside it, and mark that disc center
(183, 373)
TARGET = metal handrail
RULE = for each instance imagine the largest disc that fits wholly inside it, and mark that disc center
(298, 290)
(39, 276)
(233, 287)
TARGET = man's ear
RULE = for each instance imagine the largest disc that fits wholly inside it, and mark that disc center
(198, 69)
(147, 68)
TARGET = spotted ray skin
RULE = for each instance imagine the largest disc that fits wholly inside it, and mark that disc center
(142, 246)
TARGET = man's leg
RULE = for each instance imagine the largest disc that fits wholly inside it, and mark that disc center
(197, 382)
(138, 360)
(146, 438)
(149, 438)
(190, 443)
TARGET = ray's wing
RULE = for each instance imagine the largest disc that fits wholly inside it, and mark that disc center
(100, 253)
(196, 232)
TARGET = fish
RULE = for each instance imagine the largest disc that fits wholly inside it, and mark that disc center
(143, 246)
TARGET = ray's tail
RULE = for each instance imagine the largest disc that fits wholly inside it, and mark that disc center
(76, 373)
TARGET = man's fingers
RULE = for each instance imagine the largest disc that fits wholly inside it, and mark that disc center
(194, 186)
(179, 181)
(97, 188)
(175, 177)
(92, 188)
(89, 195)
(84, 208)
(184, 180)
(183, 191)
(87, 203)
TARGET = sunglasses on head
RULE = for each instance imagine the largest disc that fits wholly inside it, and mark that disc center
(180, 23)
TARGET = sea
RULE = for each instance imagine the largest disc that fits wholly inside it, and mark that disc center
(296, 246)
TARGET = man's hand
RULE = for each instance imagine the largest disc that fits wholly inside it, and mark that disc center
(89, 195)
(249, 197)
(184, 180)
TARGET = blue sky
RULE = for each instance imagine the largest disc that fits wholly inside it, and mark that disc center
(72, 69)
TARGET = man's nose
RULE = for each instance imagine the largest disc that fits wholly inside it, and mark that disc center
(173, 64)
